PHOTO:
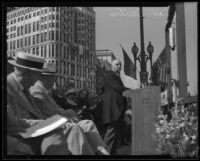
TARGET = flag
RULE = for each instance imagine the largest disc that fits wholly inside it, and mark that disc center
(129, 67)
(159, 69)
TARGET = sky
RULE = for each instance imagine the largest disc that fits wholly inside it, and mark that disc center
(121, 25)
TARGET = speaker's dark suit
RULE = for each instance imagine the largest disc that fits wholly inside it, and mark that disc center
(113, 109)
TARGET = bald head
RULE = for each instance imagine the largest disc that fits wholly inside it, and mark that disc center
(116, 66)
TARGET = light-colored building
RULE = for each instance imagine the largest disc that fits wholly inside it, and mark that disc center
(63, 35)
(105, 54)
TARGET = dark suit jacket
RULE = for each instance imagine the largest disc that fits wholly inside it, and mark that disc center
(22, 113)
(112, 99)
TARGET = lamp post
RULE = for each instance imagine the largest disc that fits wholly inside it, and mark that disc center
(143, 58)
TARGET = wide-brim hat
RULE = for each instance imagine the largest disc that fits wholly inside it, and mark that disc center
(28, 61)
(49, 69)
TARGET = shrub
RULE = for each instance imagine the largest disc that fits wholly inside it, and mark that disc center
(178, 137)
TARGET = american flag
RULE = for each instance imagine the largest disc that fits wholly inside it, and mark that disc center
(159, 69)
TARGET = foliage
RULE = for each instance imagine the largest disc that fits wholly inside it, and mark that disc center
(178, 137)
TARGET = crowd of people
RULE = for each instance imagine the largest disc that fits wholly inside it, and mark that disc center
(95, 124)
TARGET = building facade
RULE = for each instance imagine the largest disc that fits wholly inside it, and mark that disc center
(105, 55)
(62, 35)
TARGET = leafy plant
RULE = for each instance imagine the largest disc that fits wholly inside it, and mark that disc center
(179, 136)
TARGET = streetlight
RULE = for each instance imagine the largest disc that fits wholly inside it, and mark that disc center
(150, 50)
(143, 58)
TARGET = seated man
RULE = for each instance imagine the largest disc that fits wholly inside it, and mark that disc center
(49, 107)
(23, 113)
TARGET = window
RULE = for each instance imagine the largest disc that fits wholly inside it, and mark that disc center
(52, 50)
(26, 41)
(29, 15)
(29, 28)
(33, 39)
(29, 40)
(34, 14)
(45, 51)
(52, 35)
(26, 26)
(11, 45)
(57, 34)
(41, 51)
(17, 43)
(14, 44)
(57, 25)
(21, 30)
(22, 42)
(33, 51)
(37, 51)
(38, 25)
(45, 36)
(73, 69)
(42, 37)
(38, 13)
(49, 35)
(34, 24)
(56, 50)
(37, 41)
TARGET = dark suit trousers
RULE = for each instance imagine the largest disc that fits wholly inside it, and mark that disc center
(112, 136)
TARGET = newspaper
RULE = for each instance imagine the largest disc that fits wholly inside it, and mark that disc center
(44, 127)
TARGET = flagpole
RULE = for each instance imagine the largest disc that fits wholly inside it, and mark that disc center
(168, 52)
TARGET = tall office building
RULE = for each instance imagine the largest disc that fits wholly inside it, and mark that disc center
(63, 35)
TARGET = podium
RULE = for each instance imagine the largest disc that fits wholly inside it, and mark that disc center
(145, 104)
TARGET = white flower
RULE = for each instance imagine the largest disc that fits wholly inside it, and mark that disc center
(167, 136)
(193, 137)
(162, 121)
(182, 124)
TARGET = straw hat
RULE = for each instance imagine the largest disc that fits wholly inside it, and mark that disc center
(49, 69)
(28, 61)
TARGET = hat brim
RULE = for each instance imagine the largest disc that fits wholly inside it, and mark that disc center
(13, 62)
(50, 74)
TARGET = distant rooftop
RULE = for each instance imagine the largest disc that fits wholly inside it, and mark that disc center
(104, 52)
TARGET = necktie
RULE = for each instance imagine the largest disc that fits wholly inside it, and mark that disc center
(28, 96)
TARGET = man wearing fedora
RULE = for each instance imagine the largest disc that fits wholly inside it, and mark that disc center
(40, 93)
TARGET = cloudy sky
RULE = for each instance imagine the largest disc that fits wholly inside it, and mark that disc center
(120, 25)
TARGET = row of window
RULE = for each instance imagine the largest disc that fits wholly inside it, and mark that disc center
(72, 54)
(26, 11)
